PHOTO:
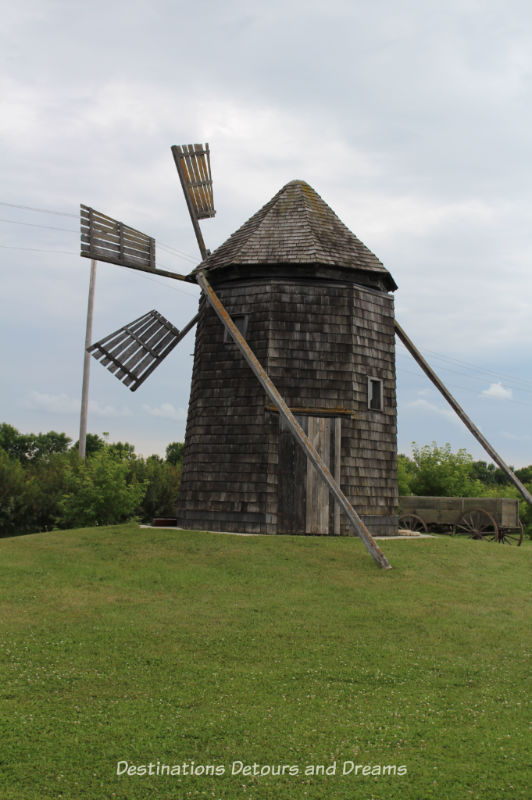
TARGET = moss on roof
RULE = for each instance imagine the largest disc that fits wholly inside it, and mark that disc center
(296, 227)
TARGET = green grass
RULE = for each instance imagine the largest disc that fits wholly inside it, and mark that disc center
(123, 644)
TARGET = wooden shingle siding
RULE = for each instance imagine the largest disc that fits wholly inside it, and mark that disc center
(370, 466)
(320, 320)
(334, 373)
(225, 459)
(320, 359)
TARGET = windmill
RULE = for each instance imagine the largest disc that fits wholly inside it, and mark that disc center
(294, 393)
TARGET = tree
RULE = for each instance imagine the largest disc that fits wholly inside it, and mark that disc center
(405, 472)
(93, 443)
(15, 444)
(122, 450)
(50, 481)
(484, 472)
(524, 474)
(98, 492)
(162, 479)
(15, 497)
(48, 444)
(28, 447)
(439, 472)
(175, 452)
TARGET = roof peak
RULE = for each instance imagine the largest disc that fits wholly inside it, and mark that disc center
(297, 227)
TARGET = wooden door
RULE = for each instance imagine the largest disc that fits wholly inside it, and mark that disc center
(304, 501)
(317, 491)
(291, 481)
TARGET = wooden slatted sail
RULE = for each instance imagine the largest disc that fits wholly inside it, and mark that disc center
(135, 350)
(194, 166)
(106, 239)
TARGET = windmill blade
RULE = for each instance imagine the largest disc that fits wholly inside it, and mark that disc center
(193, 165)
(133, 352)
(106, 239)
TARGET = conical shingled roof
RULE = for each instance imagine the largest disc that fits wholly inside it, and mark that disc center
(297, 227)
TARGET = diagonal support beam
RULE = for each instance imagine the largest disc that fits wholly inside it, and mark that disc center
(429, 372)
(291, 421)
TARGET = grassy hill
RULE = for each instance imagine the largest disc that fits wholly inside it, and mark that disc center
(190, 649)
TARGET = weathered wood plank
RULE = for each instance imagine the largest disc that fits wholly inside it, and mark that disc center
(337, 470)
(105, 239)
(184, 178)
(296, 429)
(141, 347)
(196, 183)
(291, 482)
(317, 516)
(127, 348)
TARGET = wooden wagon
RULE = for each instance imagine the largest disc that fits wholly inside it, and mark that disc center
(493, 518)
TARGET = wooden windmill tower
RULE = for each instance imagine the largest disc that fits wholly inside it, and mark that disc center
(292, 417)
(314, 305)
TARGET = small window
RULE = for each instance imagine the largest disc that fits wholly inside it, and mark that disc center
(375, 398)
(241, 322)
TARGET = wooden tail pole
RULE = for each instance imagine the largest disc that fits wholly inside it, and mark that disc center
(461, 413)
(292, 423)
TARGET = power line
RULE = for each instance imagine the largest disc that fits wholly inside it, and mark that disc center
(466, 370)
(62, 252)
(475, 368)
(162, 245)
(171, 286)
(38, 250)
(40, 210)
(71, 253)
(402, 371)
(174, 251)
(35, 225)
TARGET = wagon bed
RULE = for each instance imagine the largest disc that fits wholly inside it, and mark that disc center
(490, 518)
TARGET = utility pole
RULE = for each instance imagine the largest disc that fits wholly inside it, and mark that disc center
(86, 364)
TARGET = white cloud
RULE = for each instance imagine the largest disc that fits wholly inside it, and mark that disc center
(498, 391)
(165, 411)
(108, 410)
(404, 156)
(65, 404)
(432, 408)
(52, 403)
(515, 437)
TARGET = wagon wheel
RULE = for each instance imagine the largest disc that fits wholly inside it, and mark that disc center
(512, 535)
(478, 524)
(411, 522)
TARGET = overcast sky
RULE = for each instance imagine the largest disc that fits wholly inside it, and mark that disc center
(411, 118)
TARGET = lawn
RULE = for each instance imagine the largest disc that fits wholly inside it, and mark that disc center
(123, 647)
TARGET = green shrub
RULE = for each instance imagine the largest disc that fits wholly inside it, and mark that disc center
(15, 496)
(98, 492)
(438, 472)
(175, 452)
(51, 481)
(30, 448)
(162, 480)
